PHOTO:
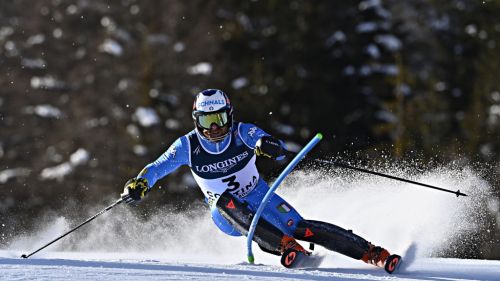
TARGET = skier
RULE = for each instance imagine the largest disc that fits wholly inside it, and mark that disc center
(221, 154)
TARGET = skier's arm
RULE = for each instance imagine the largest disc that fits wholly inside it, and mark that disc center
(175, 156)
(263, 143)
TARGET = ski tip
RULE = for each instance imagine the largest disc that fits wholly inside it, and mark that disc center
(392, 263)
(319, 135)
(292, 258)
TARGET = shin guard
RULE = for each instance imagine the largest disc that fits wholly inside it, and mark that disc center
(332, 237)
(237, 214)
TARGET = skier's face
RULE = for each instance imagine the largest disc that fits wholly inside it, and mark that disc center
(215, 132)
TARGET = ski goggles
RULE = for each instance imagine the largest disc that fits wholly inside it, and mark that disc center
(205, 120)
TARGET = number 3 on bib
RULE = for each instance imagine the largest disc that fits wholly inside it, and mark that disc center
(236, 188)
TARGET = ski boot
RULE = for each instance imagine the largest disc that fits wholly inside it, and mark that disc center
(292, 253)
(380, 257)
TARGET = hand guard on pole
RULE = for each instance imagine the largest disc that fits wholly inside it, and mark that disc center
(269, 147)
(134, 190)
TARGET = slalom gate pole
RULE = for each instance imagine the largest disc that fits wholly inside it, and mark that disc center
(275, 185)
(24, 256)
(342, 165)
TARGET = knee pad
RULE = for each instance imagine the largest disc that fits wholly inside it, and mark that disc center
(223, 224)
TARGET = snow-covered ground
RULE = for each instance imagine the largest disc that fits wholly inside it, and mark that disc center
(116, 266)
(121, 245)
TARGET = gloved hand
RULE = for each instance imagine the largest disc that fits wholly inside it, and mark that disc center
(134, 190)
(270, 147)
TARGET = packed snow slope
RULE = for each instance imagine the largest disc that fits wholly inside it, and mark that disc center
(112, 266)
(123, 245)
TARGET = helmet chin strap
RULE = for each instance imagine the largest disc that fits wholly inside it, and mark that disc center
(217, 139)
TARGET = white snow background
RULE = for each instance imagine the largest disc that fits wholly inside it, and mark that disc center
(187, 246)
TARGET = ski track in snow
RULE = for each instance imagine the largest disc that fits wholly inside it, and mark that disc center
(187, 246)
(95, 266)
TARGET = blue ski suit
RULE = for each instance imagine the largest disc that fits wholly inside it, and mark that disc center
(226, 171)
(225, 165)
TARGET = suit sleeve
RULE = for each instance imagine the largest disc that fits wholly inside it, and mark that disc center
(174, 157)
(250, 134)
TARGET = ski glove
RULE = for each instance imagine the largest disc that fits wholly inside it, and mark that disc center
(134, 190)
(270, 147)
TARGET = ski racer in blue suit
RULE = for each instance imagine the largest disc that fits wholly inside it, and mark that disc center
(222, 154)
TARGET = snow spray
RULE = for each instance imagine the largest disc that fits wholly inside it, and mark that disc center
(388, 213)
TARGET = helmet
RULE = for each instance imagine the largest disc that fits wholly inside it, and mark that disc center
(213, 114)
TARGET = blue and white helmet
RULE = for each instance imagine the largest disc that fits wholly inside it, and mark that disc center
(212, 111)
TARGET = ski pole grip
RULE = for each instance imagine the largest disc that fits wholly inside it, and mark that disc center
(275, 185)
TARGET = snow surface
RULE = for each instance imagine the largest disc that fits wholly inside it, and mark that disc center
(139, 266)
(122, 245)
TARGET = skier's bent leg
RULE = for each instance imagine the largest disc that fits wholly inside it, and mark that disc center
(340, 240)
(222, 223)
(268, 236)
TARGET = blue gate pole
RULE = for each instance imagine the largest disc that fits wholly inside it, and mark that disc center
(275, 185)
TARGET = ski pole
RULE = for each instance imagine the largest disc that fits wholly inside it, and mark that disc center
(342, 165)
(270, 192)
(24, 256)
